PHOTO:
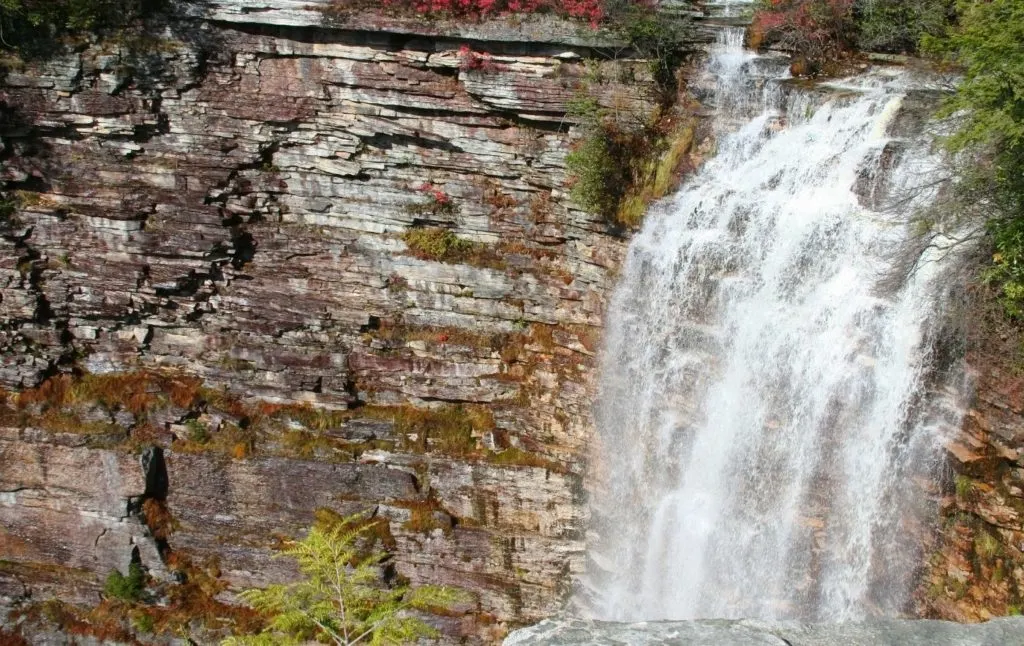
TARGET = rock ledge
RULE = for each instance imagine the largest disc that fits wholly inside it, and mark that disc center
(1005, 631)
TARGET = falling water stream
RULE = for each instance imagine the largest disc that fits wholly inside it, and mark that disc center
(767, 421)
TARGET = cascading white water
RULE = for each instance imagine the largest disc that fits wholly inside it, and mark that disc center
(763, 407)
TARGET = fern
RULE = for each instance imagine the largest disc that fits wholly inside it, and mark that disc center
(341, 598)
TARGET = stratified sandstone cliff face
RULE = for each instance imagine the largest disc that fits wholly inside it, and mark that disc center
(232, 206)
(976, 569)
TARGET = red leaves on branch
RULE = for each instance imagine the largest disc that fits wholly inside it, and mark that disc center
(437, 196)
(590, 10)
(482, 61)
(816, 29)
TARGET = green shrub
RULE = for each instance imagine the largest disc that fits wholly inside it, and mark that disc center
(440, 244)
(898, 25)
(1007, 269)
(436, 243)
(601, 174)
(661, 37)
(986, 546)
(620, 166)
(142, 622)
(197, 431)
(126, 588)
(34, 27)
(988, 105)
(964, 487)
(447, 429)
(341, 598)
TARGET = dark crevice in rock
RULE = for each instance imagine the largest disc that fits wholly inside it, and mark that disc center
(372, 323)
(154, 467)
(144, 132)
(388, 141)
(151, 507)
(245, 248)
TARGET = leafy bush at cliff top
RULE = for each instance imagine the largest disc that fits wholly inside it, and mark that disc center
(34, 26)
(814, 29)
(822, 30)
(594, 12)
(899, 25)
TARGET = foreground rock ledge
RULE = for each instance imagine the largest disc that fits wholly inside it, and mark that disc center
(1005, 631)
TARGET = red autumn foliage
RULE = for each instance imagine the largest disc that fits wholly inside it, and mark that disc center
(814, 29)
(592, 11)
(481, 61)
(437, 196)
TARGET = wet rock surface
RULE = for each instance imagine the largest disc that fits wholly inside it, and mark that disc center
(975, 564)
(720, 632)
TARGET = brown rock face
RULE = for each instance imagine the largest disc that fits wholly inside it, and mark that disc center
(236, 209)
(976, 568)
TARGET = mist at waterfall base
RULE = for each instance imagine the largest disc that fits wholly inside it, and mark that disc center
(769, 408)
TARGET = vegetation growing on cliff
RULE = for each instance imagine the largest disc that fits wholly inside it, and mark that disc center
(342, 597)
(594, 12)
(821, 32)
(126, 587)
(442, 245)
(988, 107)
(621, 165)
(32, 27)
(215, 421)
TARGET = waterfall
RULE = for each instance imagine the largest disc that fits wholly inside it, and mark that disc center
(767, 419)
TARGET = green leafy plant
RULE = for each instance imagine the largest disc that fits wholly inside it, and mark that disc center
(126, 587)
(621, 165)
(964, 487)
(34, 26)
(341, 598)
(599, 171)
(436, 243)
(661, 37)
(899, 25)
(988, 106)
(442, 245)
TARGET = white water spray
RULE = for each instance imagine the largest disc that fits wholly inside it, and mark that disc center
(764, 406)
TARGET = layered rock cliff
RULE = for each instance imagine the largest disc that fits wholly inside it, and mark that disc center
(976, 565)
(268, 266)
